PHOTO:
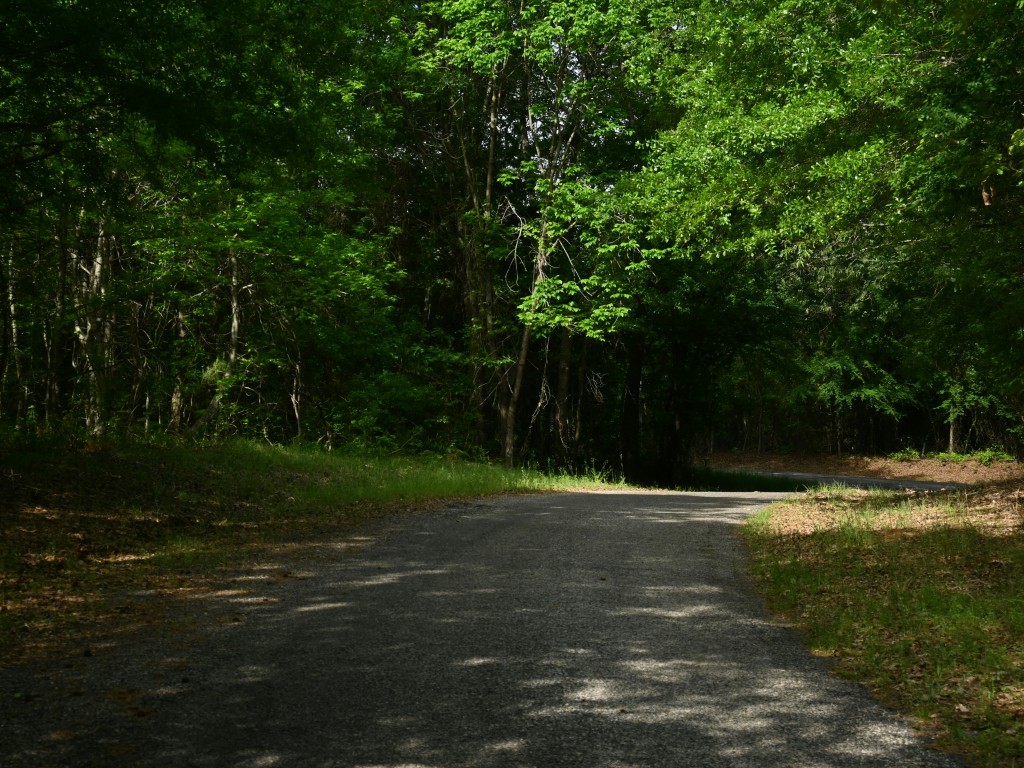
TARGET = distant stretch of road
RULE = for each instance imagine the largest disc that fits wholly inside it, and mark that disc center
(853, 481)
(594, 630)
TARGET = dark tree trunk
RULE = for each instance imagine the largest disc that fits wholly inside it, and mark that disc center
(567, 445)
(630, 428)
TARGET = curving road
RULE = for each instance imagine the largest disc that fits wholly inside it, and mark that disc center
(853, 481)
(613, 630)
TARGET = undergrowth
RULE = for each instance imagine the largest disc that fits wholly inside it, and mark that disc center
(985, 457)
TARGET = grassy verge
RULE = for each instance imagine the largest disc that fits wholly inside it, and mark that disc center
(919, 596)
(79, 530)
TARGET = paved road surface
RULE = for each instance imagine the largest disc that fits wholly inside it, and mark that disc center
(852, 481)
(592, 630)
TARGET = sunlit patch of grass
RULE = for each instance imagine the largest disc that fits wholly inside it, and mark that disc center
(918, 595)
(79, 527)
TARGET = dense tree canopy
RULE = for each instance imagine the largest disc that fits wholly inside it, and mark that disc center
(578, 232)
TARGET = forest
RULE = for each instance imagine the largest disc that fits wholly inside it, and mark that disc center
(579, 233)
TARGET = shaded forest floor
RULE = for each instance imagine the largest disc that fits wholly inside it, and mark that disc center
(95, 543)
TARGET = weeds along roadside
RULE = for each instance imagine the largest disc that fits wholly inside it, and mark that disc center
(917, 595)
(80, 529)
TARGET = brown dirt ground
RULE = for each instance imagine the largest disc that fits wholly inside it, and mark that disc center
(969, 472)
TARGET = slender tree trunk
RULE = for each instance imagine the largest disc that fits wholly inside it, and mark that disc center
(178, 394)
(581, 388)
(760, 426)
(56, 328)
(630, 427)
(214, 406)
(472, 234)
(7, 332)
(562, 395)
(519, 370)
(94, 329)
(677, 461)
(543, 400)
(296, 395)
(515, 390)
(478, 306)
(14, 396)
(236, 310)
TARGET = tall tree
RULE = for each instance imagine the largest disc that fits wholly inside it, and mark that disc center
(867, 153)
(537, 115)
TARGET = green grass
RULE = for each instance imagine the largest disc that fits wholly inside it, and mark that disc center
(921, 600)
(986, 457)
(77, 527)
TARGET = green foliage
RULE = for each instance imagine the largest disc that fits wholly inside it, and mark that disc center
(986, 457)
(991, 455)
(497, 225)
(905, 454)
(857, 149)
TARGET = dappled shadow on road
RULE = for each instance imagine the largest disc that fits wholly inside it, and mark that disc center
(591, 630)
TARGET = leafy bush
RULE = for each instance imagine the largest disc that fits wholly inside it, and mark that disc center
(990, 455)
(985, 457)
(905, 454)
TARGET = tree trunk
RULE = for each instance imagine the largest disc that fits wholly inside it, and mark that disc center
(55, 332)
(631, 426)
(296, 395)
(562, 396)
(515, 390)
(471, 238)
(581, 388)
(94, 329)
(213, 408)
(178, 395)
(9, 329)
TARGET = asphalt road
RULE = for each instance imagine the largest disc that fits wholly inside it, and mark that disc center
(594, 630)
